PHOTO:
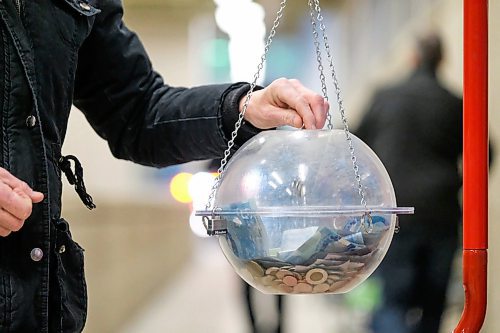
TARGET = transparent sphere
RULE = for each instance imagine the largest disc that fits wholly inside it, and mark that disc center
(292, 208)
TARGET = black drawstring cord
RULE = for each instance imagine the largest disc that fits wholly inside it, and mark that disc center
(76, 178)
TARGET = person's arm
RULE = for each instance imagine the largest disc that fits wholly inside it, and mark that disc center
(151, 123)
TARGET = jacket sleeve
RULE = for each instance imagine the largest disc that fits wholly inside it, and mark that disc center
(142, 119)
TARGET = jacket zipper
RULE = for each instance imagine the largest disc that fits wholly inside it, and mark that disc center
(18, 7)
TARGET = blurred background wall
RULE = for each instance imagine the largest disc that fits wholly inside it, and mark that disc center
(138, 242)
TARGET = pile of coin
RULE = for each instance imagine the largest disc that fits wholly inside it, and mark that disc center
(304, 260)
(326, 275)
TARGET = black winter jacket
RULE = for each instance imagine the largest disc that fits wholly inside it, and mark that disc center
(415, 127)
(54, 53)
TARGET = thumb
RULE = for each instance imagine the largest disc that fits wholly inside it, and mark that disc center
(28, 192)
(285, 117)
(36, 197)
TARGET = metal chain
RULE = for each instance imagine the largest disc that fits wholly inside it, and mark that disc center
(319, 60)
(340, 102)
(230, 144)
(319, 18)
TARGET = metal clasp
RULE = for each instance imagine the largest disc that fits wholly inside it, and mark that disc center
(397, 228)
(215, 225)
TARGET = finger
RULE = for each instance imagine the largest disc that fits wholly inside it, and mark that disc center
(4, 232)
(9, 221)
(11, 180)
(326, 107)
(294, 99)
(15, 201)
(307, 115)
(316, 102)
(289, 118)
(36, 197)
(276, 116)
(14, 183)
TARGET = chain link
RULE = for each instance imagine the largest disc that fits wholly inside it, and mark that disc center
(316, 18)
(340, 102)
(241, 116)
(319, 60)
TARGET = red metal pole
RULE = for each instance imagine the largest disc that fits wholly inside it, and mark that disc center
(475, 165)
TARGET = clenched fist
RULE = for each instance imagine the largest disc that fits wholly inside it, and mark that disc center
(16, 202)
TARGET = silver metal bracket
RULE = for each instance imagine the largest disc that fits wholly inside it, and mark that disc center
(215, 225)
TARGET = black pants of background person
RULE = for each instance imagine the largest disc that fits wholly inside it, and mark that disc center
(251, 312)
(213, 166)
(415, 275)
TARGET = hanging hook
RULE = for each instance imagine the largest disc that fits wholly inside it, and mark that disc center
(397, 228)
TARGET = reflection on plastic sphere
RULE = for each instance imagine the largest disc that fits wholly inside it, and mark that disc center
(287, 196)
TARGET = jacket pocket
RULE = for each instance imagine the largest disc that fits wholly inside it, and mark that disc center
(74, 20)
(71, 279)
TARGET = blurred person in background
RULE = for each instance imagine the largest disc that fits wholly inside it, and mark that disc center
(415, 127)
(254, 311)
(56, 53)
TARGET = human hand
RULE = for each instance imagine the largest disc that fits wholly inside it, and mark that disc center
(286, 102)
(16, 202)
